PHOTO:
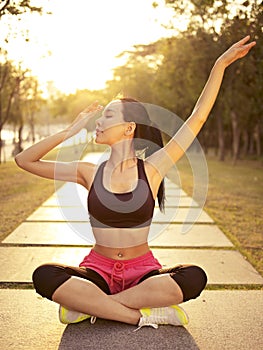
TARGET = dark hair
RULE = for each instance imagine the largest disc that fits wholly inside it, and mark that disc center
(147, 136)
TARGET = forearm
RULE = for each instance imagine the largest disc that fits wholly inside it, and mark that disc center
(41, 148)
(190, 129)
(209, 94)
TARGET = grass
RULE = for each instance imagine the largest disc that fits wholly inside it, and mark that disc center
(21, 194)
(234, 201)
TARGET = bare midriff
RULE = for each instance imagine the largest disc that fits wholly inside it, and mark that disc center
(122, 253)
(121, 243)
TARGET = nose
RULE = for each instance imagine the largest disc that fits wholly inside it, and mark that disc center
(98, 122)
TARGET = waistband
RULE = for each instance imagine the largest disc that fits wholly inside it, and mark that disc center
(110, 262)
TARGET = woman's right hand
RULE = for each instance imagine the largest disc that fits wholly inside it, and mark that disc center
(82, 119)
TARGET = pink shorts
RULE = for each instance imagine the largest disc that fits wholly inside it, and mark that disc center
(121, 274)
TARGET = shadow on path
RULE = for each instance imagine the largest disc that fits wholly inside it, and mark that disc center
(115, 335)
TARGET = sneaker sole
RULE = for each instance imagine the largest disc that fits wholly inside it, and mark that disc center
(181, 314)
(64, 316)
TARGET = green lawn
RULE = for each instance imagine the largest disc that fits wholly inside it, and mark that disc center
(234, 201)
(21, 194)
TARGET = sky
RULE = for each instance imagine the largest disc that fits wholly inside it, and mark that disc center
(76, 46)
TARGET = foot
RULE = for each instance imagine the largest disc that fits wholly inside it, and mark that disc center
(173, 315)
(70, 316)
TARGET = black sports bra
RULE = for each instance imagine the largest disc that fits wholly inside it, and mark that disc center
(122, 210)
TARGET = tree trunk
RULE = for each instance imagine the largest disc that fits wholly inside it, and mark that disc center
(257, 139)
(1, 146)
(20, 138)
(221, 139)
(245, 142)
(32, 128)
(236, 136)
(251, 144)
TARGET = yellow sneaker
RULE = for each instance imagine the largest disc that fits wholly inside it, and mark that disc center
(70, 316)
(173, 315)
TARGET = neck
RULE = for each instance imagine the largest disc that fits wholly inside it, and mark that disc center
(122, 155)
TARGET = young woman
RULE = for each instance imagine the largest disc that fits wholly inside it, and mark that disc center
(120, 279)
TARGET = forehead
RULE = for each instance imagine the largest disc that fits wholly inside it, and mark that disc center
(114, 106)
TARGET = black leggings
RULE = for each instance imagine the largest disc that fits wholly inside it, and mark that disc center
(47, 278)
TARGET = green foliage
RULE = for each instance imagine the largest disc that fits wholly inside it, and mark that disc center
(173, 71)
(16, 8)
(19, 93)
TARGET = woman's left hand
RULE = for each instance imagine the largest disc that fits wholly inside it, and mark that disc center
(236, 51)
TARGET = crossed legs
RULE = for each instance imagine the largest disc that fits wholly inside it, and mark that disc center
(77, 293)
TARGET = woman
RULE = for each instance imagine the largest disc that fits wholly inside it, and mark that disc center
(120, 279)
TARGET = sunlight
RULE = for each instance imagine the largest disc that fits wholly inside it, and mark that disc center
(76, 47)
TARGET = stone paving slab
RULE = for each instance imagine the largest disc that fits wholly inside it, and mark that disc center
(175, 202)
(80, 214)
(28, 322)
(62, 233)
(198, 235)
(59, 214)
(221, 266)
(175, 192)
(227, 320)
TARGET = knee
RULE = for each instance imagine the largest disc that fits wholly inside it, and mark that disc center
(191, 279)
(47, 278)
(40, 280)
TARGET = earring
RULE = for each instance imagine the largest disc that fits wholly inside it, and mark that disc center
(128, 131)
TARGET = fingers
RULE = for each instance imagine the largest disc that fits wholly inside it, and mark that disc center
(243, 41)
(94, 107)
(250, 45)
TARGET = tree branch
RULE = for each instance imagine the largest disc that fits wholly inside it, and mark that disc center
(2, 9)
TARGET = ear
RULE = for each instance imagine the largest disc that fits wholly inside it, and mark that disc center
(130, 128)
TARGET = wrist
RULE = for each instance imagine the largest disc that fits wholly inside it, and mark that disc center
(220, 63)
(65, 134)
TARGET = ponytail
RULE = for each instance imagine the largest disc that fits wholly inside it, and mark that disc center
(147, 137)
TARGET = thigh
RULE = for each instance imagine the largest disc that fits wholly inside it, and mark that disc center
(47, 278)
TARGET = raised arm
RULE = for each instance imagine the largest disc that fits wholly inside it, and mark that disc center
(31, 158)
(176, 147)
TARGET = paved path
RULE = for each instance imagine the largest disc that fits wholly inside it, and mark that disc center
(223, 317)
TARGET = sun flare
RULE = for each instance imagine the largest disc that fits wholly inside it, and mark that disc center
(76, 46)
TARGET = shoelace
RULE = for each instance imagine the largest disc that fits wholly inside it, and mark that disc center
(153, 320)
(93, 319)
(154, 325)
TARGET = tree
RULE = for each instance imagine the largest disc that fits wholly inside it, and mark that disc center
(9, 84)
(16, 8)
(227, 21)
(136, 77)
(13, 79)
(19, 97)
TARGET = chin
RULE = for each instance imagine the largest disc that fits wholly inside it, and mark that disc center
(98, 141)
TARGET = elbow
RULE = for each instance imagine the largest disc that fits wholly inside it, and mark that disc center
(19, 160)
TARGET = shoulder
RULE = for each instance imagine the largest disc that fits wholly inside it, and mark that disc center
(86, 172)
(158, 163)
